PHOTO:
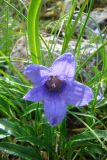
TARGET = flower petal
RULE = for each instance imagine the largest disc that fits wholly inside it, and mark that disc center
(55, 109)
(64, 66)
(35, 94)
(38, 74)
(78, 94)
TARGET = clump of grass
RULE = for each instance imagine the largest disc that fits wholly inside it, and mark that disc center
(24, 131)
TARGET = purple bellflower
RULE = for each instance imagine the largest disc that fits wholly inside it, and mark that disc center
(57, 88)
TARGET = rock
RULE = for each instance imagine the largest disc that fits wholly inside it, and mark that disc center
(96, 23)
(100, 3)
(52, 9)
(97, 4)
(26, 2)
(100, 16)
(20, 54)
(68, 4)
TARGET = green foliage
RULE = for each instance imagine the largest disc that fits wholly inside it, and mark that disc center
(24, 131)
(70, 28)
(21, 151)
(33, 29)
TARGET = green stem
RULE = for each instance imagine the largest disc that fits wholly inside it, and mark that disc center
(33, 30)
(70, 28)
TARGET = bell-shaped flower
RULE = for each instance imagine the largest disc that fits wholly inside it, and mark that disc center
(56, 87)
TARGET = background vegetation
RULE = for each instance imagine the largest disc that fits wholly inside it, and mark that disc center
(24, 131)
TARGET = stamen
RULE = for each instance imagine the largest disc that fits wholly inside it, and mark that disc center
(54, 84)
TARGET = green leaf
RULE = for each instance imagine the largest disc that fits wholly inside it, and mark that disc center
(31, 108)
(33, 30)
(9, 102)
(86, 136)
(93, 149)
(3, 134)
(21, 76)
(70, 28)
(12, 128)
(91, 56)
(35, 141)
(25, 152)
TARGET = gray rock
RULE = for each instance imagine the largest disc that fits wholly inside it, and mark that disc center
(20, 54)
